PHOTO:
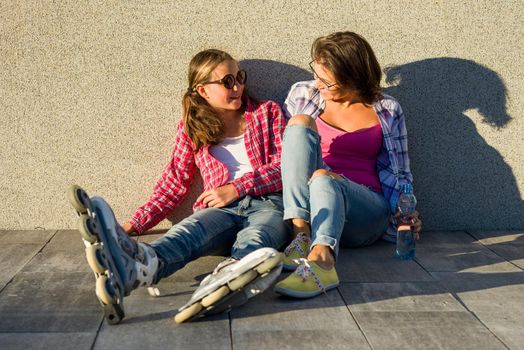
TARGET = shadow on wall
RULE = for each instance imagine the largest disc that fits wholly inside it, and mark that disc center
(461, 181)
(272, 80)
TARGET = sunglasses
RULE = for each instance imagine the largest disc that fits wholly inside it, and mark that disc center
(230, 80)
(329, 86)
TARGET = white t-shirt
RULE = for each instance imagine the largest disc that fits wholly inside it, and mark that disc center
(231, 151)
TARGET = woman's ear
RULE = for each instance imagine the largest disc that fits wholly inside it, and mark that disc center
(201, 90)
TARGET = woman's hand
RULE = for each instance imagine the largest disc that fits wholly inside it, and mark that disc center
(416, 223)
(219, 197)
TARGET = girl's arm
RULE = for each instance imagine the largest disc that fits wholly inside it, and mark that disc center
(265, 178)
(172, 187)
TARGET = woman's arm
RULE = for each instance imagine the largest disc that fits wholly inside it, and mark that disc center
(172, 187)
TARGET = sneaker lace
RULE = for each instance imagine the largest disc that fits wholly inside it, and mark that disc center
(304, 270)
(296, 244)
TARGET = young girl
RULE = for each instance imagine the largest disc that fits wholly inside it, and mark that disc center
(344, 160)
(235, 142)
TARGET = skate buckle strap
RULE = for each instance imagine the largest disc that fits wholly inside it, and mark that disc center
(217, 269)
(295, 244)
(304, 270)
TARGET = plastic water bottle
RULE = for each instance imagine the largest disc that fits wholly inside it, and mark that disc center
(405, 236)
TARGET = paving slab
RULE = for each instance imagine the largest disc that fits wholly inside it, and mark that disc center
(507, 244)
(13, 257)
(377, 263)
(458, 251)
(66, 240)
(274, 322)
(399, 296)
(17, 249)
(50, 302)
(59, 261)
(496, 299)
(432, 337)
(46, 341)
(421, 315)
(39, 237)
(149, 323)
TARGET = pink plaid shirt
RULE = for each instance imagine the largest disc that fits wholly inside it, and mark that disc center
(263, 135)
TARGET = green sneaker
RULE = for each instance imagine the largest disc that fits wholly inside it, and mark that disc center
(295, 251)
(307, 281)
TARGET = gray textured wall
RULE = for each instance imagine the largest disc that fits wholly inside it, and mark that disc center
(90, 94)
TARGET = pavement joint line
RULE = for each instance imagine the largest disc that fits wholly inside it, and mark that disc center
(455, 295)
(355, 319)
(230, 329)
(491, 250)
(22, 267)
(97, 333)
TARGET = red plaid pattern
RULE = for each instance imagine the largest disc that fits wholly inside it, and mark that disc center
(263, 137)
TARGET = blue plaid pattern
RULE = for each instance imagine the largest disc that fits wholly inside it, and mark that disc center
(392, 162)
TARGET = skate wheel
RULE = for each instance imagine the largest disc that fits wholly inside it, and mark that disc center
(270, 263)
(95, 258)
(78, 199)
(186, 314)
(102, 286)
(215, 296)
(88, 228)
(242, 280)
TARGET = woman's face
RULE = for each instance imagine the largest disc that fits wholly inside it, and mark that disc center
(216, 94)
(326, 83)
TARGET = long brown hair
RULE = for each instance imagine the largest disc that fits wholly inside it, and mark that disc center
(352, 61)
(201, 121)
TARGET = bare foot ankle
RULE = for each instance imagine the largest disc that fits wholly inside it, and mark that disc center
(322, 256)
(299, 226)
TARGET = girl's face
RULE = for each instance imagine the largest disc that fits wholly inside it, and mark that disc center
(216, 94)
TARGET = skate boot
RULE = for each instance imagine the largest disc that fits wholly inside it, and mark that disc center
(120, 263)
(232, 283)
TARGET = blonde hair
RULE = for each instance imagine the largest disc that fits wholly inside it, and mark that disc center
(201, 121)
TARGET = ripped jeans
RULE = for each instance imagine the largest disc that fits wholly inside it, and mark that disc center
(341, 212)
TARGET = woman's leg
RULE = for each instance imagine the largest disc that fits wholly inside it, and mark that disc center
(206, 231)
(343, 212)
(301, 156)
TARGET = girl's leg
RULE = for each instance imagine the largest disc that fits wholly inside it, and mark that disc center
(343, 212)
(301, 156)
(263, 225)
(206, 231)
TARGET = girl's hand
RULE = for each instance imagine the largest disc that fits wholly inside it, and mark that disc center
(219, 197)
(130, 230)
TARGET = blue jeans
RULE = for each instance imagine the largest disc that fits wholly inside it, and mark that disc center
(341, 212)
(243, 226)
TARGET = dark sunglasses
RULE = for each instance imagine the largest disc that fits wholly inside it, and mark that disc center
(229, 80)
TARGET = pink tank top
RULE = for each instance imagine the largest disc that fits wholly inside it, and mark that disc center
(352, 154)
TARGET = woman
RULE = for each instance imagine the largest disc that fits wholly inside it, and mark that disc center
(344, 160)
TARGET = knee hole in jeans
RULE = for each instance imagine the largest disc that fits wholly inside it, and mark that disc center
(303, 120)
(323, 172)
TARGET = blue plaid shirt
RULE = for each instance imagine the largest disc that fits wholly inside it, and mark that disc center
(392, 162)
